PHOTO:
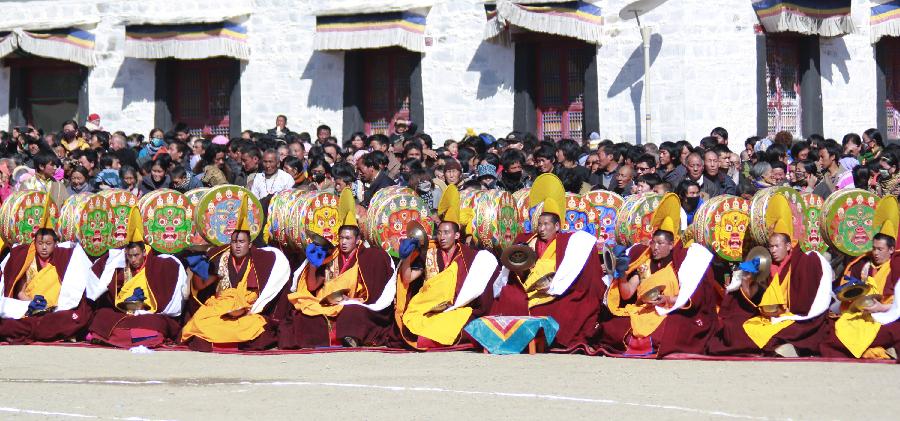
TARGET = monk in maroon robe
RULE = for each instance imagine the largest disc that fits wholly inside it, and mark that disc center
(59, 274)
(360, 275)
(162, 285)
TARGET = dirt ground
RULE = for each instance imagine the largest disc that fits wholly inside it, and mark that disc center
(40, 382)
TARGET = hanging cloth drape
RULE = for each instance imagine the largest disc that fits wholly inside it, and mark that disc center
(885, 20)
(404, 29)
(67, 44)
(575, 19)
(187, 42)
(828, 18)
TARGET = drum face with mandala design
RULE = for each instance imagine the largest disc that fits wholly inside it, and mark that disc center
(524, 211)
(168, 221)
(814, 240)
(758, 229)
(120, 203)
(70, 216)
(279, 215)
(389, 215)
(847, 220)
(217, 215)
(21, 216)
(194, 196)
(602, 211)
(96, 225)
(577, 215)
(494, 225)
(721, 225)
(316, 212)
(634, 219)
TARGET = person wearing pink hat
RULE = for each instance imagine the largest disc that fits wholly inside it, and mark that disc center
(220, 140)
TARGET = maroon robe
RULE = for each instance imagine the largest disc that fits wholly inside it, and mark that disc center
(480, 306)
(274, 312)
(576, 311)
(370, 328)
(47, 327)
(114, 327)
(806, 335)
(888, 335)
(685, 330)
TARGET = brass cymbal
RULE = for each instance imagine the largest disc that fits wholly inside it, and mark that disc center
(518, 258)
(765, 262)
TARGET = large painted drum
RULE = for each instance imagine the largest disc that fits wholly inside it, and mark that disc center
(168, 221)
(21, 215)
(524, 212)
(494, 225)
(217, 213)
(193, 196)
(576, 215)
(279, 215)
(602, 212)
(633, 224)
(814, 241)
(120, 203)
(69, 216)
(315, 211)
(721, 225)
(758, 229)
(847, 221)
(390, 210)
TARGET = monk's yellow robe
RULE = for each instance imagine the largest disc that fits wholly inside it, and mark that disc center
(213, 323)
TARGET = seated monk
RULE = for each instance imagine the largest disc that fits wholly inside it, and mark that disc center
(867, 325)
(43, 285)
(666, 302)
(250, 284)
(781, 313)
(443, 289)
(142, 296)
(340, 297)
(566, 281)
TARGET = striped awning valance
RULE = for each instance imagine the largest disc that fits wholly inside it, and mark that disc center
(885, 20)
(372, 30)
(68, 44)
(576, 19)
(187, 42)
(827, 18)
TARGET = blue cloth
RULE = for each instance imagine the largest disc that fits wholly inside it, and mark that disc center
(136, 296)
(750, 266)
(109, 177)
(622, 261)
(407, 247)
(511, 334)
(199, 265)
(315, 254)
(38, 303)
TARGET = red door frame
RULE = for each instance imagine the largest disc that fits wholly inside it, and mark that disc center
(395, 111)
(567, 48)
(204, 68)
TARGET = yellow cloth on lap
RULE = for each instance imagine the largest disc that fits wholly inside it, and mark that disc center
(856, 329)
(137, 281)
(442, 327)
(760, 328)
(311, 305)
(212, 323)
(45, 283)
(544, 265)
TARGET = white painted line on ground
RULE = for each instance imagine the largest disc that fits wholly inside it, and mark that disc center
(537, 396)
(65, 414)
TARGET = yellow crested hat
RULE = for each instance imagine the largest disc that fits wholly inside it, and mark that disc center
(887, 217)
(779, 217)
(667, 216)
(448, 208)
(346, 211)
(46, 221)
(243, 217)
(549, 190)
(135, 230)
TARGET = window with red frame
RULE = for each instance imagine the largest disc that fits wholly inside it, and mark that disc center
(202, 96)
(561, 68)
(892, 100)
(783, 84)
(386, 88)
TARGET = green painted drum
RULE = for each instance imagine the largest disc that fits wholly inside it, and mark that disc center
(721, 224)
(814, 240)
(194, 197)
(21, 215)
(759, 232)
(279, 215)
(847, 221)
(217, 213)
(120, 203)
(95, 226)
(390, 212)
(602, 209)
(494, 225)
(70, 216)
(634, 219)
(168, 221)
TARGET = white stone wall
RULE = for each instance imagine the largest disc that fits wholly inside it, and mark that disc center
(704, 72)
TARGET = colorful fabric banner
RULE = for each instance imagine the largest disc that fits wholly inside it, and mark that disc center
(375, 30)
(576, 19)
(187, 42)
(511, 334)
(829, 18)
(68, 44)
(885, 20)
